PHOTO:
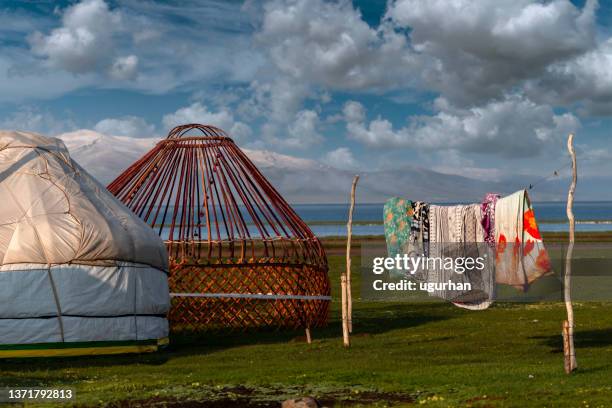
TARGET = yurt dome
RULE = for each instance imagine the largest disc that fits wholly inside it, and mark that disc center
(79, 272)
(240, 257)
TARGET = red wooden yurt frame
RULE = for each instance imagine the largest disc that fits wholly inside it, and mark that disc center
(240, 256)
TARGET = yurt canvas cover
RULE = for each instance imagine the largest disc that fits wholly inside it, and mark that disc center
(79, 273)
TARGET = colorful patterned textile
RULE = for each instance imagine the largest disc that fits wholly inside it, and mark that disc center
(397, 220)
(419, 229)
(520, 254)
(407, 230)
(455, 232)
(488, 217)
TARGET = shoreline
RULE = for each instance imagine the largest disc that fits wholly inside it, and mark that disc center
(336, 245)
(377, 222)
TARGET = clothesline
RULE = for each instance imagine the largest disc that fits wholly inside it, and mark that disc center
(505, 226)
(555, 173)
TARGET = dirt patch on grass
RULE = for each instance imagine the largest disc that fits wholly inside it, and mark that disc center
(253, 398)
(159, 402)
(347, 398)
(483, 401)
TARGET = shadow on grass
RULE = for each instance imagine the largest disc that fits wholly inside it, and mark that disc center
(369, 319)
(582, 339)
(40, 371)
(60, 363)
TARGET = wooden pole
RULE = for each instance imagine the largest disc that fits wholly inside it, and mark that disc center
(568, 325)
(567, 359)
(345, 328)
(349, 230)
(345, 277)
(308, 337)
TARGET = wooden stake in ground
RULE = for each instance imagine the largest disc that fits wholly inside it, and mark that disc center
(345, 327)
(345, 277)
(349, 231)
(308, 337)
(568, 325)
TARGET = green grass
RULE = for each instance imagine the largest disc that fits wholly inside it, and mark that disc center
(402, 354)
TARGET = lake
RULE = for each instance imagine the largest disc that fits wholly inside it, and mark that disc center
(330, 219)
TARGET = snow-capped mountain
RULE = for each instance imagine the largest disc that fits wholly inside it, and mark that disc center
(305, 180)
(105, 156)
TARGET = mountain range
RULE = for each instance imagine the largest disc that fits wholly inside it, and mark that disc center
(303, 180)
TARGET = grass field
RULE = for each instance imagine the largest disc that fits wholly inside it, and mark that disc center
(402, 354)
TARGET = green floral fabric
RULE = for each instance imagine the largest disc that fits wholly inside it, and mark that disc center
(398, 214)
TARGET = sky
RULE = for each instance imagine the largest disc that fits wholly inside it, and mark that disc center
(484, 89)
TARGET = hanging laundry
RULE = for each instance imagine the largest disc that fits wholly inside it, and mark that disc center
(520, 254)
(407, 231)
(419, 228)
(515, 254)
(488, 217)
(456, 232)
(418, 245)
(397, 221)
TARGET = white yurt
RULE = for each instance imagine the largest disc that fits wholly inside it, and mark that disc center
(79, 272)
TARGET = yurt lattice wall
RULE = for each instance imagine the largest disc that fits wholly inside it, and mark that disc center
(240, 256)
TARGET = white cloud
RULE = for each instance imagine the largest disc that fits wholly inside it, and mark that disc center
(131, 126)
(378, 133)
(198, 113)
(512, 127)
(124, 68)
(240, 131)
(278, 101)
(354, 112)
(303, 132)
(341, 158)
(32, 119)
(482, 49)
(290, 57)
(154, 47)
(468, 51)
(22, 80)
(312, 47)
(585, 81)
(185, 44)
(328, 43)
(84, 42)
